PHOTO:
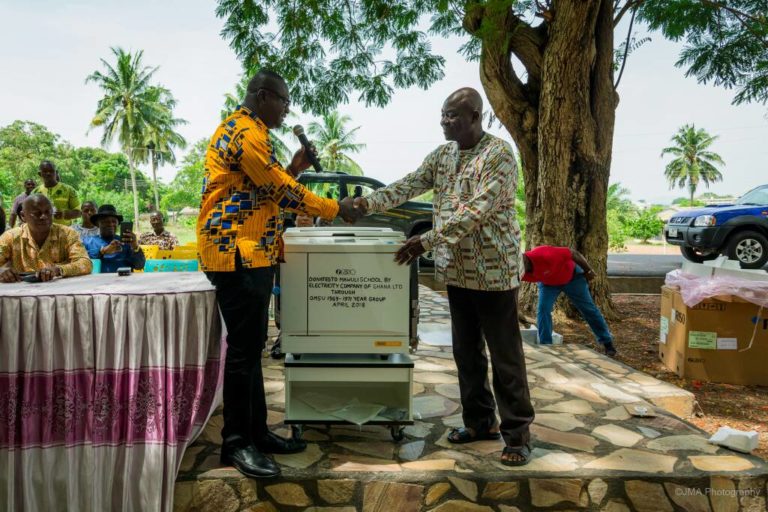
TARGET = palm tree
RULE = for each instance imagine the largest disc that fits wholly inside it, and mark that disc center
(161, 138)
(128, 108)
(334, 142)
(693, 164)
(617, 198)
(234, 100)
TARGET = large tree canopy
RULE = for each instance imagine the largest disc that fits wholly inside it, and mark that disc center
(547, 69)
(726, 41)
(330, 50)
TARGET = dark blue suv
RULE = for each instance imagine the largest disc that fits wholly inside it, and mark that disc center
(739, 230)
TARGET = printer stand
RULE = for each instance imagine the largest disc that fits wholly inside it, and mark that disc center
(326, 379)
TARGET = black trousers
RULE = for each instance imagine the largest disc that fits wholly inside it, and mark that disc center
(476, 315)
(243, 298)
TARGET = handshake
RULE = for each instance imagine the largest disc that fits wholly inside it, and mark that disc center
(351, 210)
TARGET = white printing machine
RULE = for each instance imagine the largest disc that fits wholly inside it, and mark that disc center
(347, 320)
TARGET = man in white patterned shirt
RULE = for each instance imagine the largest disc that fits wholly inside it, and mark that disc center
(476, 241)
(159, 235)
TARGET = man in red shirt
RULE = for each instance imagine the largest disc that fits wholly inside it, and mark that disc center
(560, 269)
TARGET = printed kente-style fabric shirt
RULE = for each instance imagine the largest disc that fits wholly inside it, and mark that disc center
(244, 189)
(165, 240)
(475, 235)
(62, 248)
(63, 198)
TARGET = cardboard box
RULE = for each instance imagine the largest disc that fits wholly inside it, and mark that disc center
(705, 342)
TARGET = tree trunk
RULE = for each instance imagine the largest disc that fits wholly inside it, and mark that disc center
(154, 181)
(692, 191)
(135, 195)
(562, 122)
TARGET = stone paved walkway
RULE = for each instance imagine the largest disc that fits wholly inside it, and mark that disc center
(589, 453)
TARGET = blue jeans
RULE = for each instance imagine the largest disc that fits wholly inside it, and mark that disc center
(578, 293)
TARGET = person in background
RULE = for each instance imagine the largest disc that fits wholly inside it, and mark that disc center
(563, 270)
(41, 247)
(476, 238)
(159, 235)
(86, 228)
(113, 252)
(304, 221)
(29, 186)
(64, 198)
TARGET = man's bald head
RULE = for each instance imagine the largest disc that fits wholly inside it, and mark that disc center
(37, 212)
(462, 117)
(265, 79)
(268, 97)
(467, 98)
(36, 200)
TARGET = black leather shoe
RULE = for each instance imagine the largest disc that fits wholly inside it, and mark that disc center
(273, 443)
(250, 462)
(276, 352)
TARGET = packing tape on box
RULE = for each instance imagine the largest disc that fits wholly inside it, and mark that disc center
(754, 331)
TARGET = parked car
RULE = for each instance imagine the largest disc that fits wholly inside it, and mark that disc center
(412, 217)
(738, 230)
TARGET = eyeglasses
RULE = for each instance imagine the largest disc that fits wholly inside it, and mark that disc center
(286, 102)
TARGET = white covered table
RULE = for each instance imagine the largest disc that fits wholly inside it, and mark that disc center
(104, 381)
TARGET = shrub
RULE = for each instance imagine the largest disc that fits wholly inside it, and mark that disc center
(645, 225)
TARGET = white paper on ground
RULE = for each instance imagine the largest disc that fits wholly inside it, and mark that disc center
(352, 410)
(735, 439)
(323, 403)
(359, 413)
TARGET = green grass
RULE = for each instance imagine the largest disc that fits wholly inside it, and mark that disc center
(184, 230)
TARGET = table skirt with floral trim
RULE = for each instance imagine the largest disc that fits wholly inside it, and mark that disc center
(101, 392)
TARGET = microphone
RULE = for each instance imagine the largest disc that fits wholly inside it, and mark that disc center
(298, 131)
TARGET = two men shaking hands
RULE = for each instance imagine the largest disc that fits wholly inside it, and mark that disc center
(351, 210)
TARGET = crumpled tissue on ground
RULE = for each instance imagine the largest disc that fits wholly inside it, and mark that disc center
(735, 439)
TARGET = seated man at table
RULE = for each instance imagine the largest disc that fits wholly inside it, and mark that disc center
(113, 251)
(159, 235)
(41, 247)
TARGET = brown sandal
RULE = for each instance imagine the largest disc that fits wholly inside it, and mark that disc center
(524, 452)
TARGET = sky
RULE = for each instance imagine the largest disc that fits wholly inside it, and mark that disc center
(48, 47)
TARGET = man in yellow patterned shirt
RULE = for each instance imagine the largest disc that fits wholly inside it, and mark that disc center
(41, 247)
(238, 237)
(63, 197)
